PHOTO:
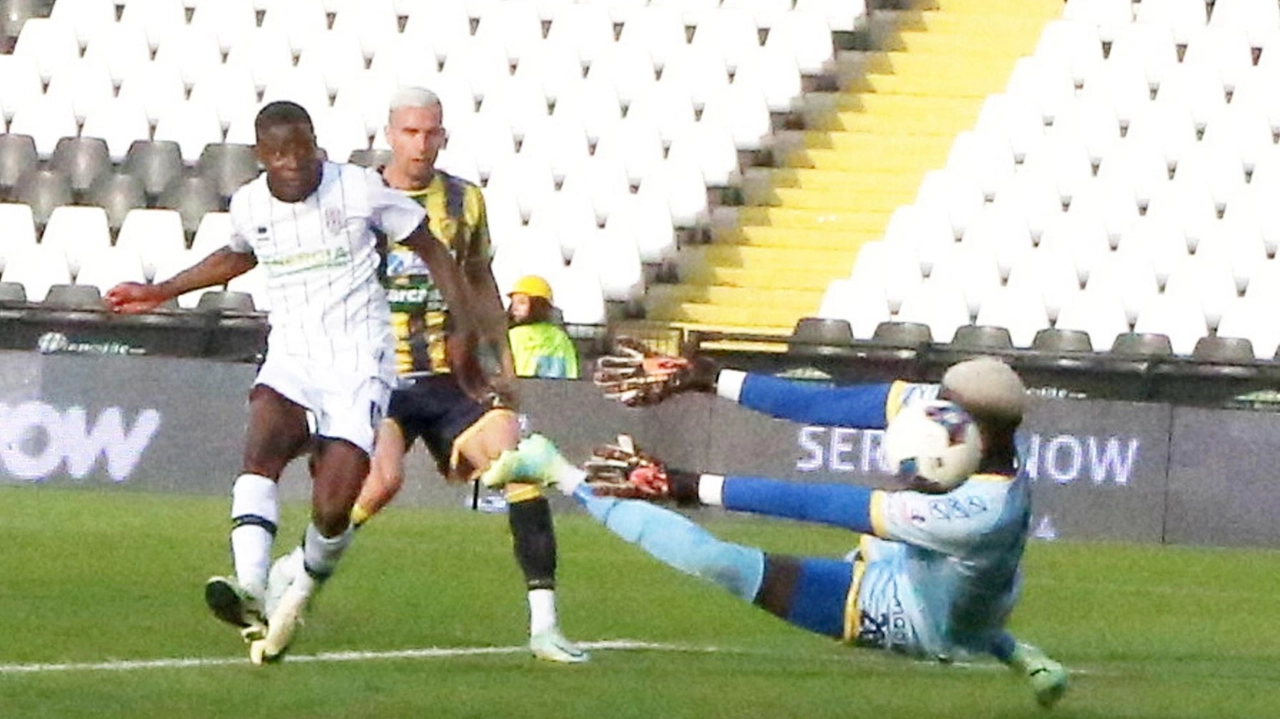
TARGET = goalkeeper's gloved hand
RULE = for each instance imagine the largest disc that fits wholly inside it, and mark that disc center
(636, 376)
(624, 470)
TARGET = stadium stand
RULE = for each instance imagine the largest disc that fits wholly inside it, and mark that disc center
(1091, 165)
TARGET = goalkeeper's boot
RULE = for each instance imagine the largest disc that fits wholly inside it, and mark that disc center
(552, 646)
(234, 605)
(1048, 678)
(283, 623)
(283, 571)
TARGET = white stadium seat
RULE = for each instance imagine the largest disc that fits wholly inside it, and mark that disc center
(956, 196)
(806, 36)
(229, 20)
(87, 18)
(336, 57)
(20, 84)
(105, 267)
(17, 229)
(1098, 314)
(1045, 85)
(1017, 309)
(731, 33)
(118, 122)
(1152, 48)
(862, 306)
(75, 231)
(512, 27)
(36, 268)
(1074, 43)
(373, 24)
(49, 44)
(158, 89)
(1224, 49)
(1183, 17)
(1050, 275)
(658, 29)
(647, 221)
(586, 29)
(1176, 316)
(626, 67)
(1014, 118)
(555, 67)
(614, 259)
(1255, 321)
(157, 19)
(940, 306)
(681, 184)
(775, 74)
(192, 125)
(1256, 17)
(893, 269)
(441, 26)
(46, 120)
(605, 182)
(741, 113)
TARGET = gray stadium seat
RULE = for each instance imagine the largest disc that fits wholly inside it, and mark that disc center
(227, 166)
(370, 158)
(83, 160)
(12, 292)
(981, 337)
(218, 301)
(117, 193)
(74, 297)
(17, 156)
(14, 13)
(1223, 349)
(1056, 340)
(1142, 344)
(192, 197)
(43, 190)
(158, 163)
(821, 336)
(902, 334)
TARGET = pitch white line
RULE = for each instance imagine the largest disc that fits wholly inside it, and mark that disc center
(128, 665)
(328, 657)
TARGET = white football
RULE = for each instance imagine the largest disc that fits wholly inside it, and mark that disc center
(934, 444)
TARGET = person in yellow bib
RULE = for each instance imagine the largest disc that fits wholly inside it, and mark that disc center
(539, 346)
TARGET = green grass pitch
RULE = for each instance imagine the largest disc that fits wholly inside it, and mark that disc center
(100, 583)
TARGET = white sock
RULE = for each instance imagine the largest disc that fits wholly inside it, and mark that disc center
(253, 495)
(320, 554)
(711, 489)
(542, 610)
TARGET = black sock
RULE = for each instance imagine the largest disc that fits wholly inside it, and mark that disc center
(534, 538)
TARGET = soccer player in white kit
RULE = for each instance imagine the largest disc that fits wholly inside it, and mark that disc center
(310, 224)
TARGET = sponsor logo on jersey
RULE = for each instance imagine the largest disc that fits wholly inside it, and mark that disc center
(295, 262)
(334, 220)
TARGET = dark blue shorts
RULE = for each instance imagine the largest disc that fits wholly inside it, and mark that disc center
(436, 410)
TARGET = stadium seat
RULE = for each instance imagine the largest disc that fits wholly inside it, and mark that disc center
(1033, 195)
(1183, 17)
(647, 221)
(1209, 282)
(1126, 284)
(20, 84)
(483, 66)
(303, 85)
(1052, 340)
(579, 297)
(666, 108)
(1045, 85)
(681, 184)
(192, 197)
(585, 28)
(1048, 274)
(486, 139)
(87, 18)
(228, 166)
(1225, 50)
(1112, 203)
(1177, 316)
(563, 146)
(123, 49)
(1169, 131)
(625, 67)
(264, 53)
(158, 19)
(969, 268)
(17, 229)
(1255, 17)
(941, 307)
(43, 190)
(156, 163)
(699, 70)
(806, 36)
(17, 156)
(924, 232)
(37, 268)
(741, 113)
(254, 284)
(1090, 122)
(820, 335)
(74, 297)
(49, 44)
(605, 182)
(1015, 118)
(1018, 310)
(1217, 168)
(555, 67)
(636, 145)
(192, 50)
(12, 292)
(1252, 212)
(841, 15)
(568, 217)
(1188, 206)
(1123, 85)
(982, 338)
(862, 306)
(373, 24)
(232, 91)
(336, 57)
(891, 269)
(527, 180)
(1252, 320)
(1149, 47)
(84, 85)
(229, 21)
(367, 96)
(158, 89)
(1003, 236)
(1244, 129)
(957, 197)
(984, 157)
(520, 104)
(76, 230)
(442, 26)
(1198, 90)
(515, 28)
(529, 251)
(192, 126)
(213, 233)
(1073, 43)
(615, 261)
(1142, 345)
(117, 194)
(152, 234)
(105, 267)
(1063, 160)
(83, 160)
(302, 21)
(731, 33)
(660, 30)
(47, 120)
(1080, 241)
(222, 301)
(1141, 166)
(1099, 315)
(712, 150)
(775, 74)
(338, 133)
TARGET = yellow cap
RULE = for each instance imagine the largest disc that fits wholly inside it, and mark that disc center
(532, 285)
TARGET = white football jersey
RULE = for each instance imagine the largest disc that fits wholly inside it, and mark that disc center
(321, 260)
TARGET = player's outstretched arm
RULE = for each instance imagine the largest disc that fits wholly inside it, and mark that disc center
(217, 269)
(862, 406)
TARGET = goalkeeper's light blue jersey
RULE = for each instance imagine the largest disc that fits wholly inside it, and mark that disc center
(946, 579)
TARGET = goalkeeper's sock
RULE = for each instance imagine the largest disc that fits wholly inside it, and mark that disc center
(534, 538)
(542, 611)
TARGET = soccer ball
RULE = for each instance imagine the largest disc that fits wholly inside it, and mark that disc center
(934, 444)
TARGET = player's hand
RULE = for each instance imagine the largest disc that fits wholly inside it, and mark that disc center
(132, 298)
(624, 470)
(634, 376)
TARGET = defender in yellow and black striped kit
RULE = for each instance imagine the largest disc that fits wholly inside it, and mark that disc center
(469, 438)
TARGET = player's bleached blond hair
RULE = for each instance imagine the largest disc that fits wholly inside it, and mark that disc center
(414, 97)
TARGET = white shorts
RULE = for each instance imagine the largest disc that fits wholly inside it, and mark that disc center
(343, 404)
